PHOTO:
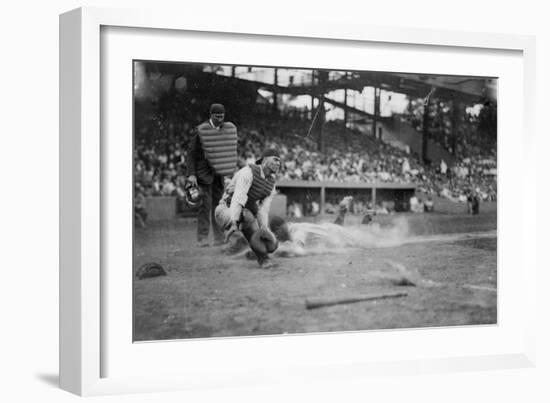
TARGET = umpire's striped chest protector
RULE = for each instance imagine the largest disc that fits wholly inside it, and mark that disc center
(220, 147)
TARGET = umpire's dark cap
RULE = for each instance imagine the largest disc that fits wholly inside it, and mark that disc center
(217, 108)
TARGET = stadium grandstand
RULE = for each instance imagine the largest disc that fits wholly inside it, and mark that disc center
(383, 137)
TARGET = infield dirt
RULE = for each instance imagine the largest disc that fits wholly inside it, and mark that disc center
(451, 259)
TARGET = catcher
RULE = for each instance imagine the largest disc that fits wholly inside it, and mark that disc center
(244, 206)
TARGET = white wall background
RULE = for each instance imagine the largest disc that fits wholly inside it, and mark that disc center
(29, 198)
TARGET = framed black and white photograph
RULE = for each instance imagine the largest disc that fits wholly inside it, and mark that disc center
(278, 200)
(240, 204)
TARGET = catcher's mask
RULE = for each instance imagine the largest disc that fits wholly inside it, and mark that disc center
(193, 196)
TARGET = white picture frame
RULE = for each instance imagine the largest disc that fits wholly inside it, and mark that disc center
(82, 246)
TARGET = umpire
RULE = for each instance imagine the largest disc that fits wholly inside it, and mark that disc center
(212, 156)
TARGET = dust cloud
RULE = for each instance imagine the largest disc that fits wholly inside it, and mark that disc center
(329, 238)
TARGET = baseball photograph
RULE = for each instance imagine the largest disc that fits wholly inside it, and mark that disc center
(273, 200)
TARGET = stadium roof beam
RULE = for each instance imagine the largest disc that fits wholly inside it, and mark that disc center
(462, 88)
(171, 68)
(271, 87)
(348, 108)
(467, 89)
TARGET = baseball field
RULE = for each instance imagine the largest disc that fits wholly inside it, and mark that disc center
(436, 269)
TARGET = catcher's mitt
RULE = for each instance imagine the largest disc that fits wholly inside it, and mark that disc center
(150, 270)
(263, 242)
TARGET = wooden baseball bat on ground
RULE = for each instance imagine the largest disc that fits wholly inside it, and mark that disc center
(312, 303)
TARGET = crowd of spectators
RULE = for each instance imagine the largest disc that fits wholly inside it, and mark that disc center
(470, 175)
(159, 165)
(160, 160)
(354, 158)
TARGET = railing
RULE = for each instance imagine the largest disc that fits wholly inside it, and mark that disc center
(404, 190)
